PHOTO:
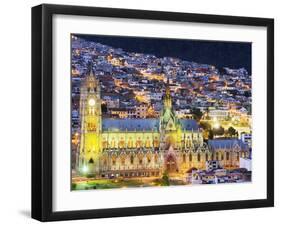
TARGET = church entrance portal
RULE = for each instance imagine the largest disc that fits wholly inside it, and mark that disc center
(171, 164)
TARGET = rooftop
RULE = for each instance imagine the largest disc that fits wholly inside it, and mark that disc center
(142, 124)
(227, 143)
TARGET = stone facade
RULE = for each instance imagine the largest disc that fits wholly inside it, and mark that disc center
(143, 147)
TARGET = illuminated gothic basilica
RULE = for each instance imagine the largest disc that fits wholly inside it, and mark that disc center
(142, 147)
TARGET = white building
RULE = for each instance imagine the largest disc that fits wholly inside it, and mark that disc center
(212, 165)
(141, 111)
(247, 138)
(245, 163)
(218, 114)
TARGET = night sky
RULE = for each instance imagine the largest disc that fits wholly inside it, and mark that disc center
(218, 53)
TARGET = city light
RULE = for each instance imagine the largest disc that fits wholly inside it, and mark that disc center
(216, 124)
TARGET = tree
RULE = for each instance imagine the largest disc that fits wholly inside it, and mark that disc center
(207, 128)
(165, 179)
(228, 118)
(73, 186)
(211, 135)
(206, 125)
(197, 113)
(219, 131)
(231, 131)
(104, 108)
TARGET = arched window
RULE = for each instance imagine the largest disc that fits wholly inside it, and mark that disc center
(147, 143)
(148, 159)
(156, 143)
(190, 157)
(217, 156)
(113, 160)
(138, 143)
(155, 158)
(227, 156)
(91, 126)
(130, 143)
(121, 144)
(222, 156)
(132, 159)
(237, 156)
(104, 144)
(207, 157)
(182, 143)
(112, 143)
(184, 158)
(198, 157)
(123, 160)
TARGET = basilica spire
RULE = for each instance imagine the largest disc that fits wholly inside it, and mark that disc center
(91, 74)
(167, 96)
(168, 118)
(91, 80)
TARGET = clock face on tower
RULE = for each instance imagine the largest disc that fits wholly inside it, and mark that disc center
(91, 102)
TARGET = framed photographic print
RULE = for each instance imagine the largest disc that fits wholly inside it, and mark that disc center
(147, 112)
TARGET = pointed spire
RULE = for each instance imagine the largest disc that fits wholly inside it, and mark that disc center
(167, 96)
(91, 73)
(91, 80)
(168, 87)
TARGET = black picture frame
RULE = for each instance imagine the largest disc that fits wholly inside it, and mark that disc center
(42, 111)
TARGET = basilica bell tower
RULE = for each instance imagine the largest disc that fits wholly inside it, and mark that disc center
(90, 116)
(169, 123)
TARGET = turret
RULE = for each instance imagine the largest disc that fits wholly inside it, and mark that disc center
(167, 97)
(90, 116)
(92, 83)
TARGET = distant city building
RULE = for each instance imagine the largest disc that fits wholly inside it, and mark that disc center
(246, 163)
(228, 151)
(119, 112)
(141, 111)
(212, 165)
(247, 138)
(218, 114)
(112, 101)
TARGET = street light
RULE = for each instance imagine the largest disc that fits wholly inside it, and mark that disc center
(84, 169)
(216, 125)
